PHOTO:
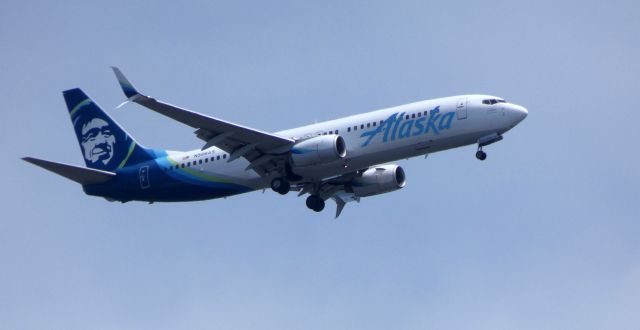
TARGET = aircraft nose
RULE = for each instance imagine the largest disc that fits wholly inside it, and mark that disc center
(518, 113)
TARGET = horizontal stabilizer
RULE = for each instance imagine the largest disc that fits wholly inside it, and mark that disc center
(81, 175)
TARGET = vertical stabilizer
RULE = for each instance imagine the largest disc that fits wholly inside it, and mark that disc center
(104, 144)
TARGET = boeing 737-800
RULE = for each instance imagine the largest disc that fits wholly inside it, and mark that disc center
(337, 159)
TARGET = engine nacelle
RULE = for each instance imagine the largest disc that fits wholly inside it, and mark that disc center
(378, 180)
(318, 150)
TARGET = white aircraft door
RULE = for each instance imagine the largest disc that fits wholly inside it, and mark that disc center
(461, 109)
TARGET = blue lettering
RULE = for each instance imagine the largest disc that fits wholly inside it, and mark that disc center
(431, 124)
(386, 126)
(371, 134)
(419, 126)
(405, 129)
(395, 126)
(445, 121)
(388, 123)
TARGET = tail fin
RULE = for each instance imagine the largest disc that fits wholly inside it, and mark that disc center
(104, 144)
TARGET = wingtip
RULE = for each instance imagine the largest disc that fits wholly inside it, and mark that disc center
(127, 87)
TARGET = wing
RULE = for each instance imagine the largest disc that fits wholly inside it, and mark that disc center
(259, 148)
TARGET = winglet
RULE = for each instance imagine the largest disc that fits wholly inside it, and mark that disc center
(125, 84)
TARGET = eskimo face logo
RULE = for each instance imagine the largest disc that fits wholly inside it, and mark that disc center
(97, 141)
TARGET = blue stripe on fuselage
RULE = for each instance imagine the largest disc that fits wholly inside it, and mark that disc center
(157, 183)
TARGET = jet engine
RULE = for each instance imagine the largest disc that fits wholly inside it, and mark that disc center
(378, 180)
(318, 150)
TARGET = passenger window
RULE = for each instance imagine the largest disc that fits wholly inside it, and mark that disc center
(218, 157)
(406, 117)
(224, 156)
(336, 131)
(425, 113)
(348, 129)
(362, 126)
(413, 115)
(206, 160)
(200, 161)
(374, 124)
(368, 125)
(182, 165)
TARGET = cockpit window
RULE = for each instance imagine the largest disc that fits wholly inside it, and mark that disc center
(493, 101)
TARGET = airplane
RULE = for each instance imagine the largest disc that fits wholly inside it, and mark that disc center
(343, 160)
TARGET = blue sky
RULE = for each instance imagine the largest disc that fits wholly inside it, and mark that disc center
(544, 234)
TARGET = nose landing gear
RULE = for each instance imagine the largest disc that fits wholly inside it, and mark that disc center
(485, 141)
(481, 155)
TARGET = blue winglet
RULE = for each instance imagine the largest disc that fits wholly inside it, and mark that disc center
(125, 84)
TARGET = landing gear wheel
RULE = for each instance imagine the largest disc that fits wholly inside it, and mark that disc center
(280, 185)
(481, 155)
(315, 203)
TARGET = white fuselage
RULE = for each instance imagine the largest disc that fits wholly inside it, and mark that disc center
(407, 131)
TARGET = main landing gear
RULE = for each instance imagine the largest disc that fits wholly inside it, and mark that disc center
(280, 185)
(315, 203)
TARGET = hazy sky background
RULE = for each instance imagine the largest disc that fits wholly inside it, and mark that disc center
(542, 235)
